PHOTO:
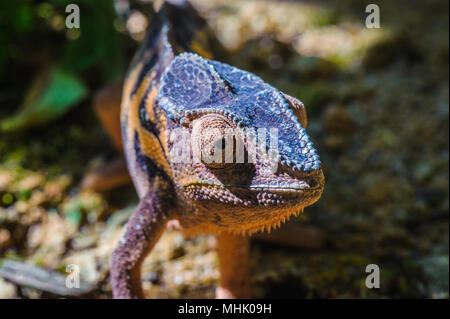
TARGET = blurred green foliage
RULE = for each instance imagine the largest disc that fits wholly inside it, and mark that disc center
(34, 38)
(52, 93)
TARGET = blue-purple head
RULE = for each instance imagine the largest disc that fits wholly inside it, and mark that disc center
(249, 152)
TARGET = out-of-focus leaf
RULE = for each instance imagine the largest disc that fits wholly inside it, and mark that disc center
(52, 93)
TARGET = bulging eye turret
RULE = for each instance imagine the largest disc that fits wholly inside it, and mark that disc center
(213, 141)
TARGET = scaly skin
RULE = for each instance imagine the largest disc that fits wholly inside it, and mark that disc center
(169, 87)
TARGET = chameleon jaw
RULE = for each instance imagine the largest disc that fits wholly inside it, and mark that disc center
(268, 226)
(262, 208)
(275, 193)
(254, 194)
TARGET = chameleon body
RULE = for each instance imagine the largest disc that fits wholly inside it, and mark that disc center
(173, 84)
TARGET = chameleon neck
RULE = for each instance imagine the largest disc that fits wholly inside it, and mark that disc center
(181, 29)
(173, 30)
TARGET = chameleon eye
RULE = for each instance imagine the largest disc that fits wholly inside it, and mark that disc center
(298, 108)
(210, 138)
(220, 143)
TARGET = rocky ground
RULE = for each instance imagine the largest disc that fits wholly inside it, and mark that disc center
(378, 103)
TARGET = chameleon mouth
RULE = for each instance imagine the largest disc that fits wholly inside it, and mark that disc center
(311, 182)
(300, 187)
(293, 187)
(262, 206)
(274, 194)
(252, 187)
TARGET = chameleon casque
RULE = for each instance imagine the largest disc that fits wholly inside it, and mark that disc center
(173, 83)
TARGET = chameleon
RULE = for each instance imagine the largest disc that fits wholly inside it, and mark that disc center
(174, 85)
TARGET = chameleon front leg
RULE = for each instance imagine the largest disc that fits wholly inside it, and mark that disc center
(141, 233)
(234, 264)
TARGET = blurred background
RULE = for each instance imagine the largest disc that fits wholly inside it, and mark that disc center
(377, 103)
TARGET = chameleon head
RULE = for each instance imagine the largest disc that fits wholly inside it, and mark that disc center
(238, 147)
